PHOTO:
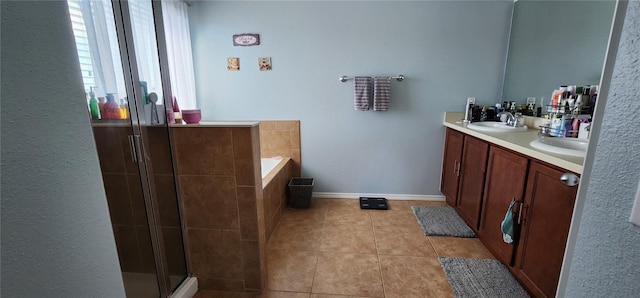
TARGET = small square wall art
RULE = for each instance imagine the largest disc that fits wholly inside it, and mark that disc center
(264, 63)
(233, 64)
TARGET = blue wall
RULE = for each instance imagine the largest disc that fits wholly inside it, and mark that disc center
(448, 50)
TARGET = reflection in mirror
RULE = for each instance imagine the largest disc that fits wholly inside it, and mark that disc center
(555, 43)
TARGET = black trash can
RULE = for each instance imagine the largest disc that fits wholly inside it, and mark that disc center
(300, 191)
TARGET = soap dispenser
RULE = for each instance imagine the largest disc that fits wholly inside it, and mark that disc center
(468, 114)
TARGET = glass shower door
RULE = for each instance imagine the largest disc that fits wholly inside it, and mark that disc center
(153, 90)
(119, 63)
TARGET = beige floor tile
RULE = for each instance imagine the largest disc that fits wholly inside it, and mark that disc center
(221, 294)
(348, 238)
(347, 217)
(348, 274)
(289, 236)
(312, 216)
(334, 296)
(426, 203)
(277, 294)
(291, 270)
(460, 247)
(320, 203)
(413, 277)
(393, 218)
(403, 241)
(345, 205)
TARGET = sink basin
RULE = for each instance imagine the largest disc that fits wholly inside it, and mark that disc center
(566, 146)
(494, 127)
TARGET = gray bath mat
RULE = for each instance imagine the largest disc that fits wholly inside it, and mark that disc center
(480, 278)
(441, 221)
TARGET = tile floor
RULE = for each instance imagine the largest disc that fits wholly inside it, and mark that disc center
(335, 249)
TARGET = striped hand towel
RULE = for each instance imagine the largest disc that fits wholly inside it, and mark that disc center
(362, 93)
(381, 93)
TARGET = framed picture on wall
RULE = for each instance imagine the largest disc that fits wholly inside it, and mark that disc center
(264, 63)
(233, 63)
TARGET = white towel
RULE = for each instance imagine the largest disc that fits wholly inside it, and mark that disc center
(362, 93)
(381, 93)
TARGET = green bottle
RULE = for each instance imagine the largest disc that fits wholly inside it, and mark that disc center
(93, 106)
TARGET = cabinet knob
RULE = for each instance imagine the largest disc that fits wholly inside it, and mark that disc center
(570, 179)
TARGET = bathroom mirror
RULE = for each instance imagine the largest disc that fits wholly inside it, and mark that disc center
(555, 43)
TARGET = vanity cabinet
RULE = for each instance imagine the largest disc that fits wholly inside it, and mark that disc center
(505, 181)
(545, 220)
(451, 162)
(463, 173)
(472, 175)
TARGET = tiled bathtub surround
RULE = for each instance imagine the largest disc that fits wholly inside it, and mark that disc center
(281, 138)
(221, 193)
(275, 194)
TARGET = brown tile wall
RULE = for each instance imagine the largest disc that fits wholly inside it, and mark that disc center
(124, 198)
(281, 138)
(221, 195)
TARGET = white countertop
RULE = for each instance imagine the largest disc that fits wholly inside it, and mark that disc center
(516, 141)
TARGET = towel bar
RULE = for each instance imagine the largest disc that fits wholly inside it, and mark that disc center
(343, 79)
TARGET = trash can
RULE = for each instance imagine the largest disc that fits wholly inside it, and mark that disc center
(300, 191)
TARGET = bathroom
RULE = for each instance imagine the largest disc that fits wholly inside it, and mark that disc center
(448, 51)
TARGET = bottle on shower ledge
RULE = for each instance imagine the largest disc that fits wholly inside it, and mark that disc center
(93, 105)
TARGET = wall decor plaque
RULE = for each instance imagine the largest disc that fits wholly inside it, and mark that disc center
(246, 39)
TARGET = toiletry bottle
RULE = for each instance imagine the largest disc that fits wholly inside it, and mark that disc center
(592, 101)
(143, 86)
(111, 107)
(101, 102)
(123, 112)
(567, 125)
(483, 114)
(555, 100)
(557, 128)
(93, 106)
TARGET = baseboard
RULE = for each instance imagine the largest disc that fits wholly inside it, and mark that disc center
(187, 289)
(339, 195)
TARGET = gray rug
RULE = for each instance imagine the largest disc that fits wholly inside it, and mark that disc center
(441, 221)
(480, 278)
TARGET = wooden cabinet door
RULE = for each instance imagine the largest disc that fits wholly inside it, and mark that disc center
(505, 181)
(472, 174)
(450, 165)
(545, 217)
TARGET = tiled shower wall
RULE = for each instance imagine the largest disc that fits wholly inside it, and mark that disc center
(281, 138)
(126, 203)
(222, 203)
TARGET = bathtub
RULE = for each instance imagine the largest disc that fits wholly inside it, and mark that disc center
(276, 173)
(268, 164)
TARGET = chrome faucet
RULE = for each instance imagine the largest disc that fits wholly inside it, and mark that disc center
(512, 120)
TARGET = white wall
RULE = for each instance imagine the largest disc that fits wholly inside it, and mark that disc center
(605, 258)
(448, 50)
(56, 233)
